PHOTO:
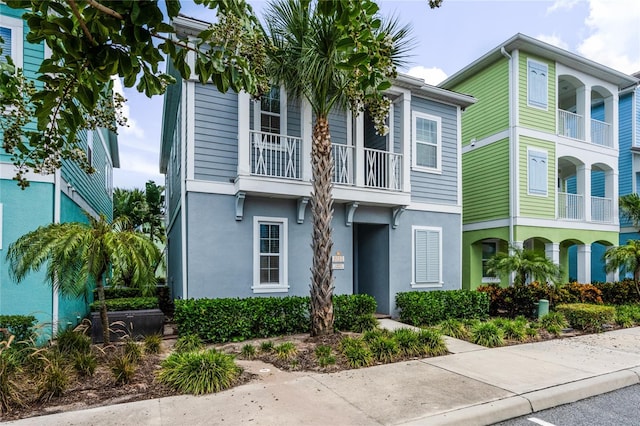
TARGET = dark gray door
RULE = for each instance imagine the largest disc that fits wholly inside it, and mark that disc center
(371, 272)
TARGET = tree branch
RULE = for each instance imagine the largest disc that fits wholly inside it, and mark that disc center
(83, 25)
(105, 9)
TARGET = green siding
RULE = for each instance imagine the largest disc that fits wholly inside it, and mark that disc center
(485, 182)
(533, 117)
(543, 207)
(490, 114)
(472, 254)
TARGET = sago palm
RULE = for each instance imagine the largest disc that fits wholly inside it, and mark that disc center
(76, 255)
(318, 58)
(626, 258)
(526, 264)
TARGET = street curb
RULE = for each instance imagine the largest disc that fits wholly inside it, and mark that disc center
(531, 402)
(575, 391)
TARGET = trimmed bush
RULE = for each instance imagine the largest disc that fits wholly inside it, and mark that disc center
(588, 317)
(431, 307)
(21, 326)
(628, 315)
(118, 292)
(127, 304)
(199, 372)
(354, 312)
(619, 293)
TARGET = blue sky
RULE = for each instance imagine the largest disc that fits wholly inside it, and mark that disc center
(447, 39)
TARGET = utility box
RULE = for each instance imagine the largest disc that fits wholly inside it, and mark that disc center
(543, 308)
(132, 324)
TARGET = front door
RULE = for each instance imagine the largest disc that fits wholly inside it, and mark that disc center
(371, 271)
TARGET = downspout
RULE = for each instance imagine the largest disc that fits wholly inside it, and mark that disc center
(512, 153)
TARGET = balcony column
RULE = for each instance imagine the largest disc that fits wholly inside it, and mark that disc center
(552, 252)
(583, 183)
(244, 142)
(611, 191)
(611, 117)
(406, 144)
(583, 108)
(359, 166)
(584, 264)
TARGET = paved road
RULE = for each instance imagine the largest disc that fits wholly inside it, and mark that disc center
(618, 408)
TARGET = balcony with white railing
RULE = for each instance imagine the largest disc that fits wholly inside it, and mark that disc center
(342, 164)
(601, 209)
(570, 125)
(601, 133)
(570, 206)
(383, 170)
(275, 156)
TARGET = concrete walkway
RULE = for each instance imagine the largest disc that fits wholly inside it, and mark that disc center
(472, 386)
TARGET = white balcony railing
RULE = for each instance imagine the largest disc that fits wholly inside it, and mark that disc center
(601, 209)
(382, 169)
(275, 155)
(342, 164)
(570, 125)
(570, 206)
(601, 133)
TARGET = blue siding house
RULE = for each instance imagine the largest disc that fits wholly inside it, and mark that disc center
(238, 185)
(49, 199)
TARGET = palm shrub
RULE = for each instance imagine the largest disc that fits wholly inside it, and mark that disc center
(527, 265)
(454, 328)
(199, 372)
(432, 342)
(356, 352)
(625, 258)
(487, 334)
(188, 343)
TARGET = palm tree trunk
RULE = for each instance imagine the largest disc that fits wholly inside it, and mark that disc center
(636, 279)
(104, 318)
(322, 243)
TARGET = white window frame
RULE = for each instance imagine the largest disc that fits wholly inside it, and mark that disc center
(488, 279)
(414, 283)
(414, 157)
(533, 102)
(108, 179)
(535, 192)
(283, 285)
(16, 27)
(90, 147)
(257, 113)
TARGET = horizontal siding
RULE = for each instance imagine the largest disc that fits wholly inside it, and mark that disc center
(532, 117)
(485, 183)
(431, 187)
(174, 166)
(338, 126)
(625, 159)
(534, 205)
(216, 134)
(397, 127)
(293, 118)
(490, 114)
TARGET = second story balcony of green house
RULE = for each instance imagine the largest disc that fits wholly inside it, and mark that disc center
(586, 111)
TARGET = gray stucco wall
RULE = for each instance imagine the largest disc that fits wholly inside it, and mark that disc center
(431, 187)
(174, 257)
(220, 249)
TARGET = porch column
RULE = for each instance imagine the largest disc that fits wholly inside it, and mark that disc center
(406, 142)
(584, 264)
(552, 252)
(359, 168)
(583, 182)
(583, 108)
(244, 143)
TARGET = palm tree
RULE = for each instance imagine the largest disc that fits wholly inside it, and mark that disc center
(626, 258)
(630, 208)
(78, 254)
(527, 265)
(311, 58)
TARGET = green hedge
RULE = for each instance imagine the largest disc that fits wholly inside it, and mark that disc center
(588, 317)
(127, 304)
(223, 320)
(431, 307)
(21, 326)
(118, 292)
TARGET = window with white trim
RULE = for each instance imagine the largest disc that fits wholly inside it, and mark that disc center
(427, 142)
(489, 249)
(537, 84)
(427, 257)
(270, 111)
(11, 33)
(108, 179)
(90, 147)
(269, 254)
(537, 172)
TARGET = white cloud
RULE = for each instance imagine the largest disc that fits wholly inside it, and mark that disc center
(554, 40)
(431, 76)
(562, 4)
(614, 34)
(132, 129)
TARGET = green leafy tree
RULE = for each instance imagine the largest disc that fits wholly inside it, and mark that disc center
(331, 54)
(76, 255)
(526, 264)
(91, 42)
(143, 209)
(626, 258)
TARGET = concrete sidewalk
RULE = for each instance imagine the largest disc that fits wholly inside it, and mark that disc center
(472, 386)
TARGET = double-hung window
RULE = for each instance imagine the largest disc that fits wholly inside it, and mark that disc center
(269, 255)
(427, 257)
(489, 249)
(11, 33)
(537, 84)
(427, 142)
(537, 172)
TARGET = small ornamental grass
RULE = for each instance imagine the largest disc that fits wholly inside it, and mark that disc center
(248, 351)
(356, 352)
(384, 349)
(85, 363)
(554, 322)
(454, 328)
(514, 330)
(133, 351)
(627, 315)
(408, 342)
(364, 323)
(487, 334)
(70, 341)
(286, 351)
(199, 372)
(188, 343)
(267, 346)
(432, 342)
(54, 378)
(9, 368)
(123, 368)
(152, 344)
(324, 355)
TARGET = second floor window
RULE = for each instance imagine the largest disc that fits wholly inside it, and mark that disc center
(11, 33)
(270, 117)
(5, 33)
(427, 142)
(537, 84)
(90, 148)
(538, 168)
